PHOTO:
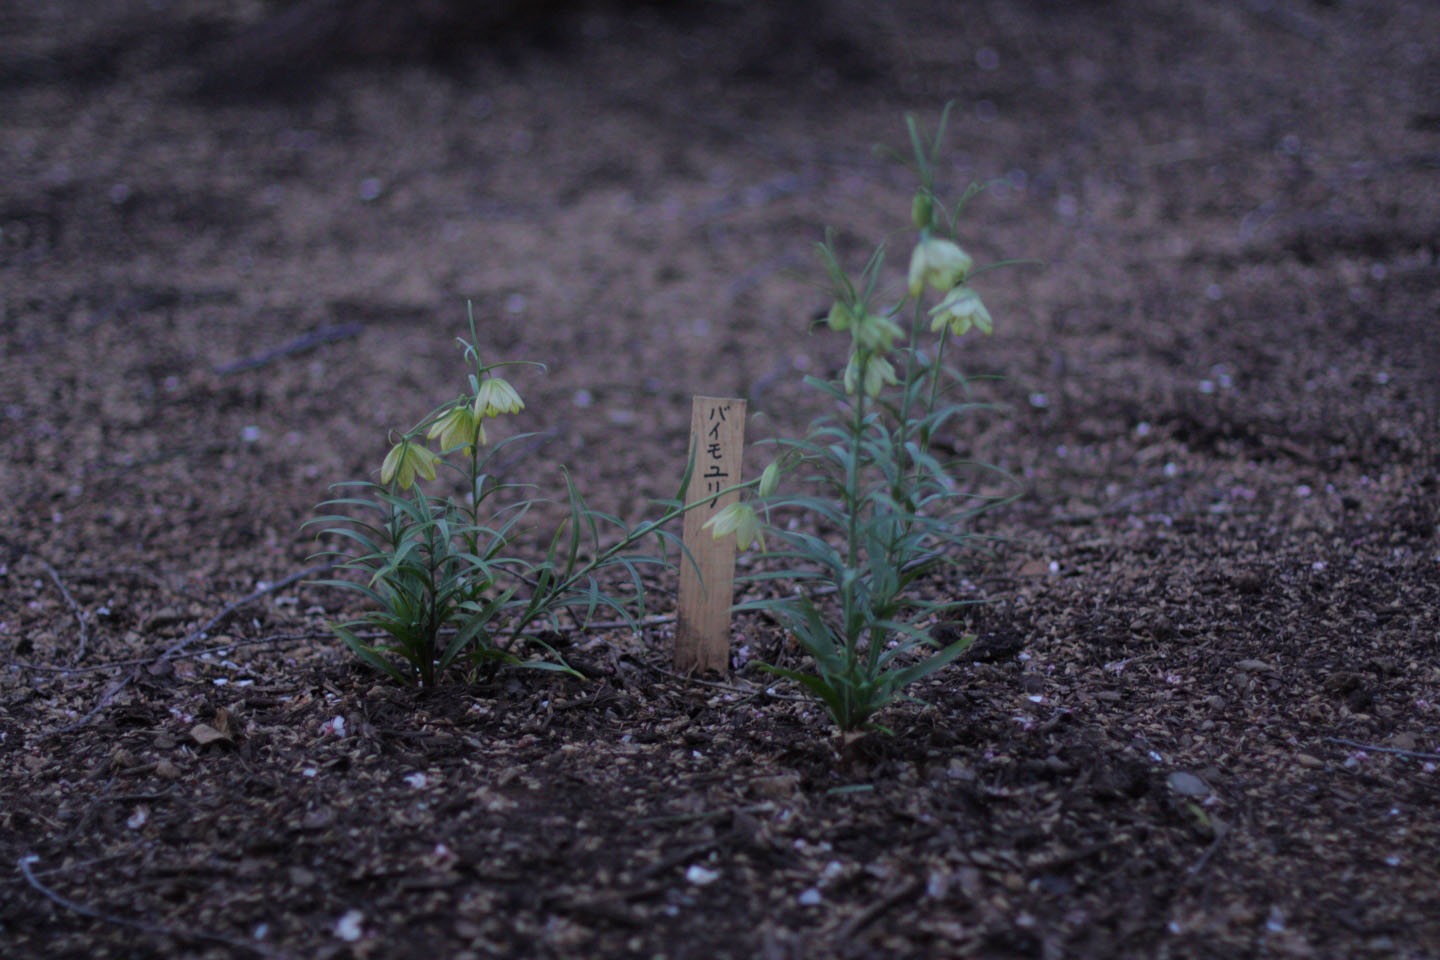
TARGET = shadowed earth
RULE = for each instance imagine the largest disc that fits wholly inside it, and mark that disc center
(236, 246)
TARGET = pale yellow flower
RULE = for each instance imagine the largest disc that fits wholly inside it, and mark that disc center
(495, 397)
(457, 427)
(875, 333)
(840, 317)
(738, 518)
(961, 309)
(878, 372)
(404, 461)
(939, 263)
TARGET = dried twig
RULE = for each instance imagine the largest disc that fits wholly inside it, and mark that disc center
(675, 859)
(230, 608)
(133, 661)
(873, 912)
(175, 648)
(74, 608)
(765, 807)
(152, 928)
(756, 691)
(1288, 20)
(1412, 754)
(617, 624)
(305, 341)
(1221, 832)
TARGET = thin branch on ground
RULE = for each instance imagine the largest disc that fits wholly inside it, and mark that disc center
(151, 928)
(1284, 18)
(765, 807)
(176, 648)
(133, 661)
(617, 624)
(873, 912)
(74, 608)
(305, 341)
(682, 856)
(1372, 748)
(729, 687)
(1220, 834)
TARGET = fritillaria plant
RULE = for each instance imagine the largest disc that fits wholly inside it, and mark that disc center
(868, 474)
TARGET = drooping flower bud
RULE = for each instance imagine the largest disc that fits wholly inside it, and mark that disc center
(404, 461)
(875, 333)
(878, 372)
(769, 479)
(458, 427)
(495, 397)
(738, 518)
(921, 211)
(940, 263)
(961, 309)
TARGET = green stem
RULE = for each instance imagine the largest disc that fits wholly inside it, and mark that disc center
(852, 484)
(538, 606)
(909, 375)
(432, 613)
(473, 537)
(934, 386)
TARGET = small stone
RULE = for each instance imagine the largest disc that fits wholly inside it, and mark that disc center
(348, 927)
(810, 898)
(1254, 666)
(957, 770)
(1188, 785)
(203, 734)
(1306, 760)
(318, 819)
(1402, 741)
(167, 770)
(700, 876)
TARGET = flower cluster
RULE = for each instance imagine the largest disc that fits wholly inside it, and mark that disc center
(459, 427)
(935, 262)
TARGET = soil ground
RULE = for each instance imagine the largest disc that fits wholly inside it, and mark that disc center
(1204, 715)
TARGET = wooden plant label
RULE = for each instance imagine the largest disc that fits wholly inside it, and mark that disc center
(702, 633)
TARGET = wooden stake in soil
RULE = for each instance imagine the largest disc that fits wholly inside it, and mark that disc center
(702, 632)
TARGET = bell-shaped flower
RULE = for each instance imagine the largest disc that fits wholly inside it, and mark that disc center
(459, 427)
(960, 310)
(738, 518)
(878, 372)
(840, 317)
(940, 263)
(404, 461)
(876, 334)
(495, 397)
